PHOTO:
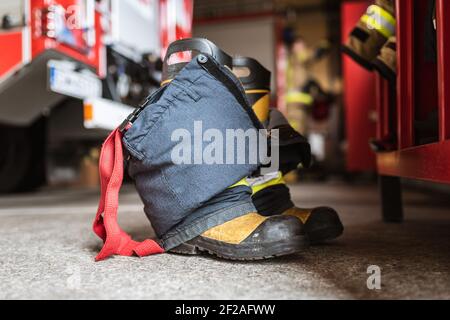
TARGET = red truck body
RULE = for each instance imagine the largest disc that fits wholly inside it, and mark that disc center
(71, 70)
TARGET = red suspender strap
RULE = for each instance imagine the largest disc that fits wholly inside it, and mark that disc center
(116, 241)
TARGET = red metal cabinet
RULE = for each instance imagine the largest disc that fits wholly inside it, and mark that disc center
(421, 87)
(359, 98)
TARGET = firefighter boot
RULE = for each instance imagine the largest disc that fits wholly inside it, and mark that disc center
(371, 33)
(250, 236)
(386, 62)
(271, 197)
(321, 223)
(270, 194)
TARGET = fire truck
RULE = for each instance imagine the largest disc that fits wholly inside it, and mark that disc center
(70, 70)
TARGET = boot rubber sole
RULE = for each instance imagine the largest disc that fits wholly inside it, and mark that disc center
(243, 252)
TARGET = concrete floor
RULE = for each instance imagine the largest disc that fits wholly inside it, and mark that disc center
(47, 251)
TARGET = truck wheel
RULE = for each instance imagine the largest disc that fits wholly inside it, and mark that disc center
(15, 158)
(36, 173)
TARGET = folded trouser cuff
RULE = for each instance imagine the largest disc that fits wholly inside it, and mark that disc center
(179, 236)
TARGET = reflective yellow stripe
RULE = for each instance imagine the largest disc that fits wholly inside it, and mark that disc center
(299, 97)
(375, 24)
(242, 182)
(380, 12)
(273, 182)
(379, 19)
(256, 91)
(166, 82)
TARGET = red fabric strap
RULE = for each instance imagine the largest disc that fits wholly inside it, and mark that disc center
(116, 241)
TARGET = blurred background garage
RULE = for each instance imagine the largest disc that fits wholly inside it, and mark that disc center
(72, 70)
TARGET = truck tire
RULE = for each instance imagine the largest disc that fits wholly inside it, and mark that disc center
(22, 162)
(15, 157)
(36, 173)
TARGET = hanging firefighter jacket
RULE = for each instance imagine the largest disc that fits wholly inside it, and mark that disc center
(293, 147)
(372, 31)
(271, 195)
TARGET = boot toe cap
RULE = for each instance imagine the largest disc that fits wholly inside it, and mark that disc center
(277, 228)
(323, 224)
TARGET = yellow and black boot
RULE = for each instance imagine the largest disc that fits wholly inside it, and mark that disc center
(250, 236)
(256, 82)
(372, 31)
(386, 62)
(293, 147)
(271, 196)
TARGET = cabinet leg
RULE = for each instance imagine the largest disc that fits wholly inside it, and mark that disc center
(391, 198)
